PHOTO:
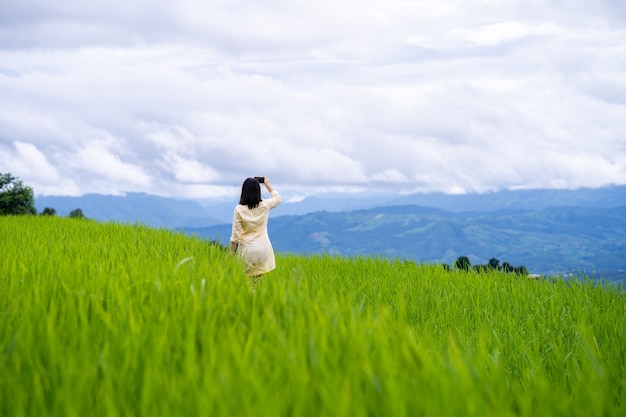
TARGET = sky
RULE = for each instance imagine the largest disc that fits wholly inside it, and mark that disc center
(187, 98)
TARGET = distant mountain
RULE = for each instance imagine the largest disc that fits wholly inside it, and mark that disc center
(132, 207)
(544, 230)
(224, 211)
(171, 212)
(551, 240)
(607, 197)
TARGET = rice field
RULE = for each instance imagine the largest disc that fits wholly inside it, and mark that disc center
(105, 319)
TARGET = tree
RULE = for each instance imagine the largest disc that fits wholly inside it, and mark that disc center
(463, 263)
(77, 214)
(49, 211)
(15, 197)
(521, 270)
(494, 263)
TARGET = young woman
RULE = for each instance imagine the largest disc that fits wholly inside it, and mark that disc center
(249, 238)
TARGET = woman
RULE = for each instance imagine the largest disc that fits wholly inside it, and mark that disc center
(249, 237)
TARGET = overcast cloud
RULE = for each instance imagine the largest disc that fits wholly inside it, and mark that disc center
(188, 97)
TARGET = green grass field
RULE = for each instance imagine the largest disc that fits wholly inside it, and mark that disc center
(103, 319)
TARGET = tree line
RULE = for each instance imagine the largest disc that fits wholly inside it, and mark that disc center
(19, 199)
(463, 264)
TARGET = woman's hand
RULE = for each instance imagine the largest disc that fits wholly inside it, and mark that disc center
(268, 185)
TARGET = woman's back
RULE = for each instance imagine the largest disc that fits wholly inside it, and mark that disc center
(249, 236)
(253, 221)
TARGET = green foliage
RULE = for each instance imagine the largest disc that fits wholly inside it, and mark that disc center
(554, 240)
(77, 214)
(49, 211)
(494, 263)
(109, 319)
(463, 263)
(15, 197)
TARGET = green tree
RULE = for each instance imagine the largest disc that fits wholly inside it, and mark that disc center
(77, 214)
(15, 197)
(507, 267)
(49, 211)
(463, 263)
(521, 270)
(494, 263)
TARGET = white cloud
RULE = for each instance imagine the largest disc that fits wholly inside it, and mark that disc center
(34, 167)
(190, 97)
(188, 170)
(34, 162)
(103, 160)
(390, 175)
(502, 32)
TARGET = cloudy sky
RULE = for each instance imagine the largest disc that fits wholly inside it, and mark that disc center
(188, 97)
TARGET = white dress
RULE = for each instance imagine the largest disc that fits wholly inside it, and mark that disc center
(250, 234)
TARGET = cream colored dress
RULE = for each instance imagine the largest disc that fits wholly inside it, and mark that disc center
(250, 234)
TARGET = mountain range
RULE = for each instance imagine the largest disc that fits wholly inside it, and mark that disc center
(547, 231)
(552, 240)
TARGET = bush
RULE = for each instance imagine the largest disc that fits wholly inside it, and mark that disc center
(15, 197)
(49, 211)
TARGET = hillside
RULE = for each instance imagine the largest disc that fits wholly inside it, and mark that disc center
(148, 209)
(107, 319)
(547, 231)
(606, 197)
(561, 239)
(172, 212)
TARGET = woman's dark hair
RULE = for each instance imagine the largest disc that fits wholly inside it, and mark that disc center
(250, 193)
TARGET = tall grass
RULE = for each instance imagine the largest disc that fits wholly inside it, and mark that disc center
(106, 319)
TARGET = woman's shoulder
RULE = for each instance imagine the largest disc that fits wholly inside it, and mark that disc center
(275, 200)
(241, 208)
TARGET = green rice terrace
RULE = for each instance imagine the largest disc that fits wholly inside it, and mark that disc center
(108, 319)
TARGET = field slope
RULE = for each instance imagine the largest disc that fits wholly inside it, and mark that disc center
(104, 319)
